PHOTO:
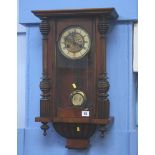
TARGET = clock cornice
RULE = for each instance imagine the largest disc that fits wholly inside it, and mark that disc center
(109, 13)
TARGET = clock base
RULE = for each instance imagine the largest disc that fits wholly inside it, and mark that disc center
(77, 143)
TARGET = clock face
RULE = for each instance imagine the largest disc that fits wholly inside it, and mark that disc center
(78, 98)
(74, 42)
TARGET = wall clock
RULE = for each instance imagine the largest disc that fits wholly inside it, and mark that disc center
(74, 83)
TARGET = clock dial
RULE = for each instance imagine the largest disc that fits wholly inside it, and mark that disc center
(74, 42)
(77, 98)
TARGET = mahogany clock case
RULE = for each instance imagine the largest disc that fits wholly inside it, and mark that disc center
(88, 74)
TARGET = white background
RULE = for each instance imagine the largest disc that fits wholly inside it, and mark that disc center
(135, 48)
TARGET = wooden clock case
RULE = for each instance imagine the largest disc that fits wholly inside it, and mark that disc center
(58, 75)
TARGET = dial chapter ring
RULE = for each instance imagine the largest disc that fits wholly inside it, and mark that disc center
(74, 42)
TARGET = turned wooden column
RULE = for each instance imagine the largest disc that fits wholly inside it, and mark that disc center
(45, 82)
(103, 84)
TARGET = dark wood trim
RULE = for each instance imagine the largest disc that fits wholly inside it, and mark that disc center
(84, 120)
(45, 82)
(77, 120)
(103, 84)
(110, 13)
(77, 143)
(42, 119)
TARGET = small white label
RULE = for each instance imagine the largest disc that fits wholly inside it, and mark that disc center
(85, 113)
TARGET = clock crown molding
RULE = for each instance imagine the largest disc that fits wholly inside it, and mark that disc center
(108, 13)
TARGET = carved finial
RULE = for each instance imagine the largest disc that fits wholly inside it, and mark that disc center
(103, 26)
(103, 83)
(102, 130)
(103, 87)
(44, 27)
(44, 127)
(45, 87)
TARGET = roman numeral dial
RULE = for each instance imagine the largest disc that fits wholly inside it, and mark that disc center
(74, 42)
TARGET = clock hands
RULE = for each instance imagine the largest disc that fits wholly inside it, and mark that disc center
(74, 41)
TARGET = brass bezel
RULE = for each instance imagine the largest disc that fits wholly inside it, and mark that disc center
(62, 52)
(78, 92)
